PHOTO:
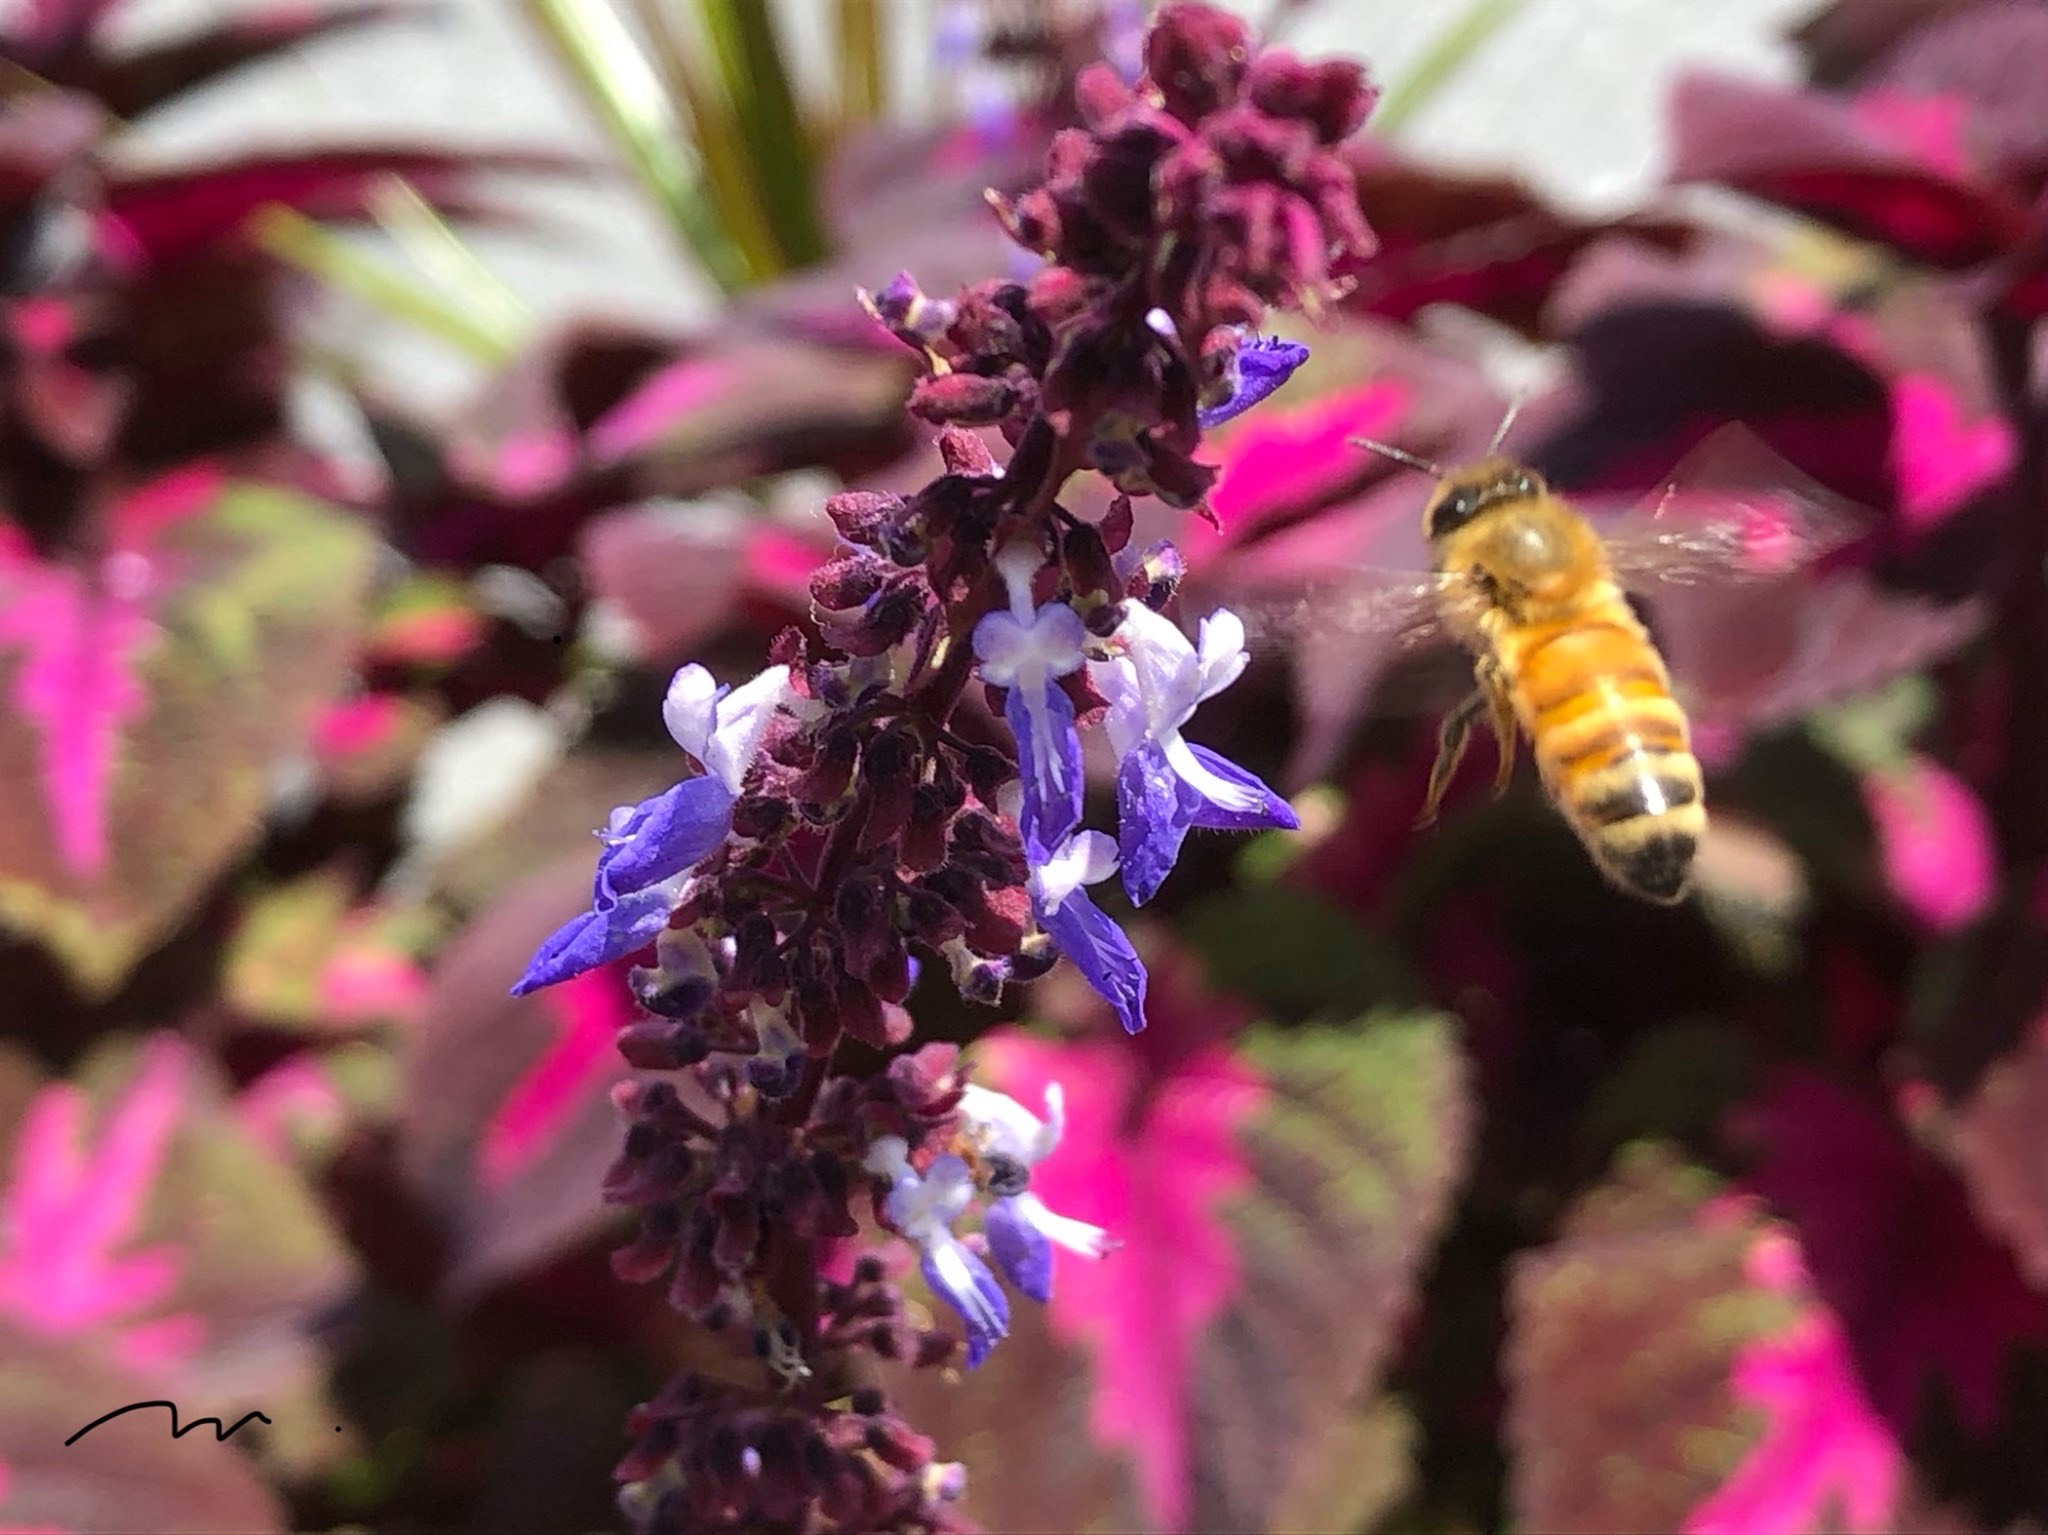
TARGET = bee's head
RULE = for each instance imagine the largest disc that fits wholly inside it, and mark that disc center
(1470, 489)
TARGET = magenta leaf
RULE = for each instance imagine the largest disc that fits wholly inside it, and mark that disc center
(1823, 158)
(160, 217)
(1940, 459)
(1860, 1193)
(1668, 1368)
(307, 956)
(1935, 842)
(1273, 1201)
(151, 691)
(507, 1123)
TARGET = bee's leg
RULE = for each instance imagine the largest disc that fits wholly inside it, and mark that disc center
(1450, 750)
(1506, 729)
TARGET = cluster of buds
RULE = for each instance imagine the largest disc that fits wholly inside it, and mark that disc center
(855, 816)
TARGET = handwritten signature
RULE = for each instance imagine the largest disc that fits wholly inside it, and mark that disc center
(220, 1434)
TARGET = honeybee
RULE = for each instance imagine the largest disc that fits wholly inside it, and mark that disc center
(1524, 582)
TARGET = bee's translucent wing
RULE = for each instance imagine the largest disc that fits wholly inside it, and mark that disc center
(1734, 511)
(1397, 609)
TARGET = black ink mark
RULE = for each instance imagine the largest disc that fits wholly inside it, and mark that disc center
(219, 1434)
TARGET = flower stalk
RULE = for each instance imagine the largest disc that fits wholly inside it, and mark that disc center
(854, 816)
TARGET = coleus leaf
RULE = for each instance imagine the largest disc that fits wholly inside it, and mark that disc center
(126, 1475)
(151, 693)
(143, 79)
(1859, 1193)
(147, 1226)
(1821, 157)
(161, 216)
(1274, 1202)
(1669, 1367)
(507, 1124)
(1993, 1136)
(307, 955)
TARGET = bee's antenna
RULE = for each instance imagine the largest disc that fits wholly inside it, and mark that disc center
(1398, 455)
(1500, 433)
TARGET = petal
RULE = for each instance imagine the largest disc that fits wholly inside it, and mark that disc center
(1221, 652)
(1261, 366)
(1077, 1237)
(1167, 676)
(1020, 1249)
(1003, 1124)
(593, 938)
(688, 708)
(1103, 955)
(963, 1282)
(1117, 681)
(1049, 761)
(672, 832)
(1152, 819)
(1085, 858)
(1000, 644)
(1224, 793)
(739, 719)
(1271, 813)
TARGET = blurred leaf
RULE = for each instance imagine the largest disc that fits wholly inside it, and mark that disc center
(617, 80)
(1668, 1368)
(1447, 54)
(746, 41)
(127, 1475)
(1360, 1472)
(1994, 1137)
(165, 215)
(1818, 156)
(863, 61)
(307, 955)
(1860, 1193)
(153, 693)
(172, 1243)
(507, 1125)
(1274, 1207)
(1292, 952)
(137, 82)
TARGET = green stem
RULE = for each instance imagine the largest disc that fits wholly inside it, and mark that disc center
(624, 91)
(750, 53)
(863, 65)
(432, 245)
(728, 167)
(299, 241)
(1449, 53)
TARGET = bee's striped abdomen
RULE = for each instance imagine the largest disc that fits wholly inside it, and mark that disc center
(1612, 745)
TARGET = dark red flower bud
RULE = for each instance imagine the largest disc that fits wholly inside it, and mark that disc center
(860, 514)
(762, 817)
(964, 453)
(1196, 56)
(1334, 96)
(756, 966)
(861, 910)
(969, 399)
(831, 770)
(889, 771)
(848, 582)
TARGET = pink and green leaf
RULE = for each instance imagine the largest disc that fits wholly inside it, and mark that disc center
(152, 692)
(1669, 1367)
(1275, 1201)
(147, 1225)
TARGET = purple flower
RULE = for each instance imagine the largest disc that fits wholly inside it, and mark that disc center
(1258, 367)
(1079, 928)
(1164, 786)
(923, 1210)
(1024, 650)
(650, 848)
(1021, 1231)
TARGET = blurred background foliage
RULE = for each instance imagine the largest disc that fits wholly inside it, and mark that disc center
(1458, 1192)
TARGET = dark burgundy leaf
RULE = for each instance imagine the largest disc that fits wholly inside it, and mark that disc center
(1814, 155)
